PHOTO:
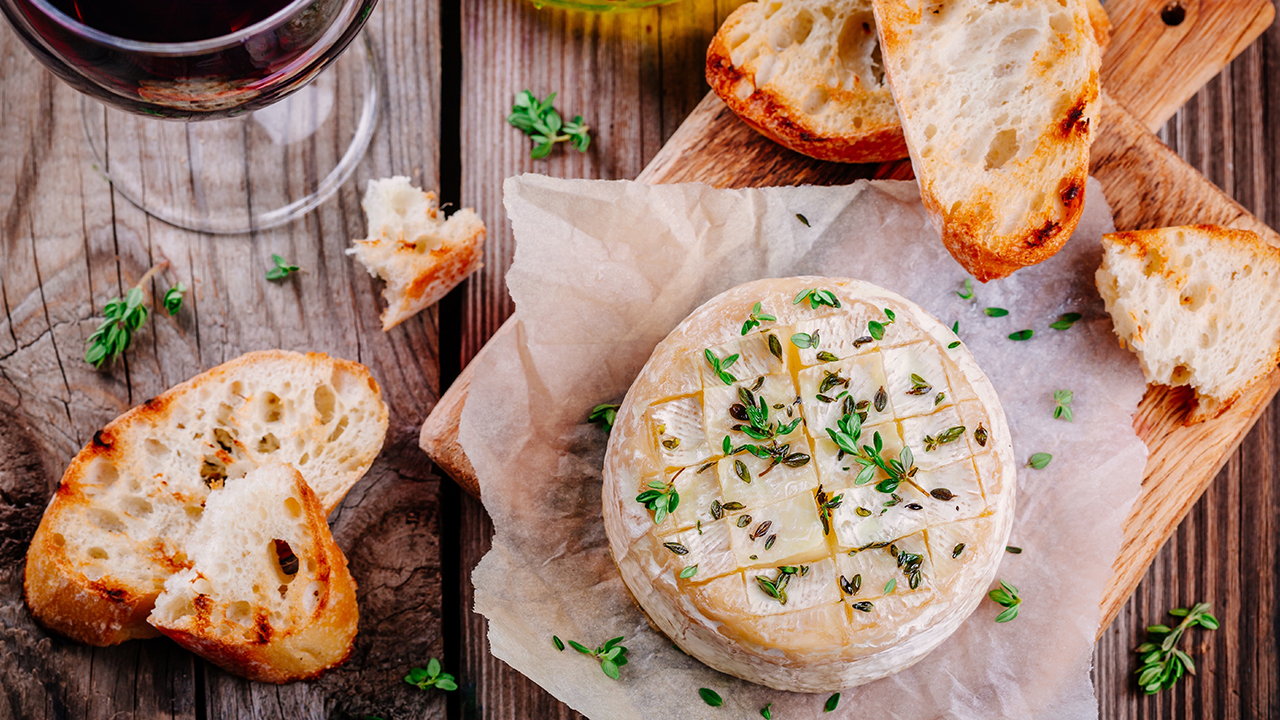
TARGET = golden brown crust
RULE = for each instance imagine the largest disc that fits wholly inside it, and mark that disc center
(105, 611)
(304, 647)
(782, 122)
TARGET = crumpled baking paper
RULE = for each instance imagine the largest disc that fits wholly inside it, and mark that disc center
(604, 270)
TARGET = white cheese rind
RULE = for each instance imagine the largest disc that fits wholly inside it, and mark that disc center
(822, 638)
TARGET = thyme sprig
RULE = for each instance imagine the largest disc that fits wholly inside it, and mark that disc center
(1162, 663)
(720, 366)
(875, 328)
(172, 299)
(612, 655)
(121, 318)
(604, 415)
(660, 498)
(817, 297)
(280, 268)
(1062, 405)
(545, 127)
(1007, 597)
(951, 434)
(826, 504)
(776, 587)
(756, 317)
(431, 677)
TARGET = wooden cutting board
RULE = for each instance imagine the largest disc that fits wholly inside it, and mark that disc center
(1160, 55)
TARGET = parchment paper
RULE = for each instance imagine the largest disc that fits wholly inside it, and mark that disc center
(602, 272)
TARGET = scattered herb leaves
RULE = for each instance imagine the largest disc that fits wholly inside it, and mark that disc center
(603, 415)
(172, 299)
(834, 701)
(996, 312)
(1065, 321)
(431, 677)
(555, 640)
(756, 317)
(967, 292)
(803, 219)
(1006, 596)
(720, 366)
(1062, 405)
(817, 297)
(766, 712)
(280, 268)
(1022, 335)
(543, 124)
(710, 697)
(1039, 460)
(612, 655)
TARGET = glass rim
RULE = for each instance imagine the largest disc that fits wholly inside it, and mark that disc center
(186, 47)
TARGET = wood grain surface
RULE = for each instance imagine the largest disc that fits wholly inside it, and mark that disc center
(67, 245)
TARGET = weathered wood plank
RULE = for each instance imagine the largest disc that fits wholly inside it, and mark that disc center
(68, 245)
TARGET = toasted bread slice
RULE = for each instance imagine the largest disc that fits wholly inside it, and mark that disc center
(268, 594)
(1197, 305)
(118, 525)
(808, 74)
(999, 106)
(418, 255)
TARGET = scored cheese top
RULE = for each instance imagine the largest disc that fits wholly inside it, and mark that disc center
(809, 495)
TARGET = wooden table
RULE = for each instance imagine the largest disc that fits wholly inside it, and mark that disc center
(67, 244)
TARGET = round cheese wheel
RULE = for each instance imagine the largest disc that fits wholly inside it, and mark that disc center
(810, 483)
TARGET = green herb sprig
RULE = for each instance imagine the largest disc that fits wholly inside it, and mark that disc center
(1007, 597)
(612, 655)
(431, 677)
(817, 297)
(875, 328)
(543, 124)
(604, 415)
(280, 269)
(172, 300)
(660, 498)
(720, 366)
(1162, 663)
(121, 318)
(757, 316)
(1062, 405)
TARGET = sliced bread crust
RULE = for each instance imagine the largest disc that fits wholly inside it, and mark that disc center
(808, 75)
(999, 106)
(1197, 305)
(118, 524)
(268, 595)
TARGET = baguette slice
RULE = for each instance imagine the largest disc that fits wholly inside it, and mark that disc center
(120, 522)
(268, 595)
(419, 256)
(808, 75)
(999, 105)
(1197, 305)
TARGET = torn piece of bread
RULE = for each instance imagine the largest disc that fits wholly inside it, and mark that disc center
(268, 594)
(1197, 305)
(808, 74)
(999, 105)
(120, 522)
(418, 255)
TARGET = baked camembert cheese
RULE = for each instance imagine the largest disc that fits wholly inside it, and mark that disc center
(810, 484)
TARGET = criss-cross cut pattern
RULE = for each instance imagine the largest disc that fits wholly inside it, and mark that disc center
(834, 471)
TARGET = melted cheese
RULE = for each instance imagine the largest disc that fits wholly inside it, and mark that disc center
(750, 572)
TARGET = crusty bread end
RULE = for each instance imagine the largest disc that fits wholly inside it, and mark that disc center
(418, 255)
(1197, 305)
(118, 525)
(268, 595)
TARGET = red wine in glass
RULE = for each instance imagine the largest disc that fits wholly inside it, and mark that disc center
(189, 59)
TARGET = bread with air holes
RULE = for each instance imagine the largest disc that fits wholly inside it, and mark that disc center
(999, 107)
(1197, 305)
(120, 521)
(268, 594)
(808, 74)
(419, 255)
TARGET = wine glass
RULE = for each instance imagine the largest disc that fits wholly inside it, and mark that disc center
(277, 137)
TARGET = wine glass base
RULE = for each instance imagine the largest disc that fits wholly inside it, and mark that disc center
(248, 173)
